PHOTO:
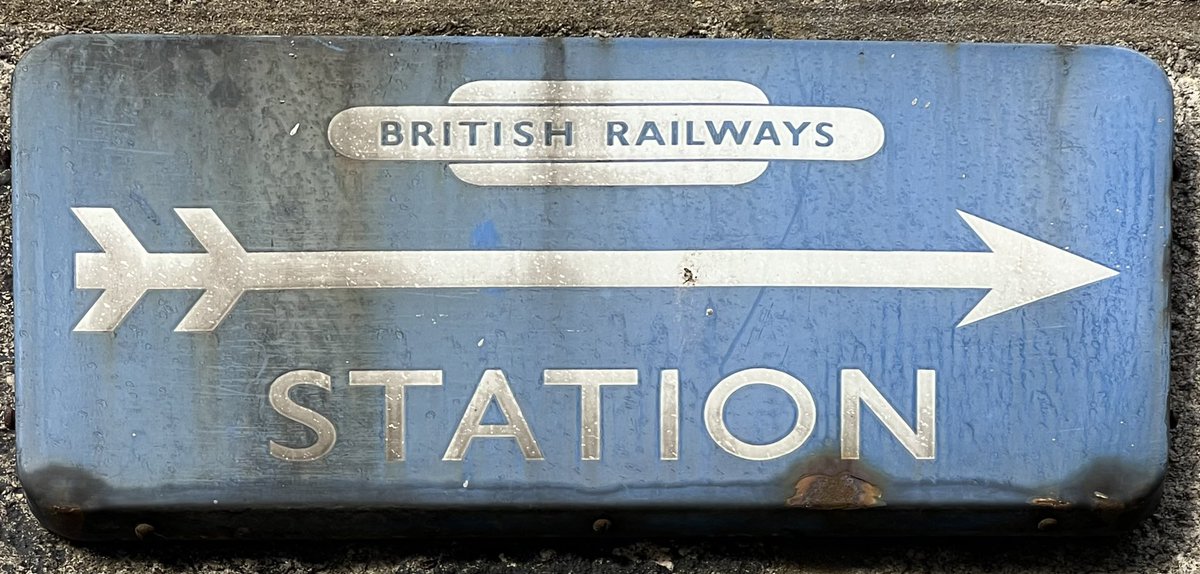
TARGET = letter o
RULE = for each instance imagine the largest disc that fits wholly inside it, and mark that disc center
(714, 414)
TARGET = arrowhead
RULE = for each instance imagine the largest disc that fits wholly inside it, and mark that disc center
(1026, 270)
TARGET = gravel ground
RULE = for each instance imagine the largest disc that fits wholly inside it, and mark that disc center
(1167, 31)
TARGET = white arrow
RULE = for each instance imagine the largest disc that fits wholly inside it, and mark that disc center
(1017, 271)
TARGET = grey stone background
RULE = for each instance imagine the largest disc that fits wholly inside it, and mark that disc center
(1168, 31)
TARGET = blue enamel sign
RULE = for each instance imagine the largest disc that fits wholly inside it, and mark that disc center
(297, 287)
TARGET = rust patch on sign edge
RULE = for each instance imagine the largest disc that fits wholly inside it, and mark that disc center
(841, 491)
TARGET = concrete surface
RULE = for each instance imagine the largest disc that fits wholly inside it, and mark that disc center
(1168, 31)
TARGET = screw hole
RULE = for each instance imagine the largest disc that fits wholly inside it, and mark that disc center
(143, 530)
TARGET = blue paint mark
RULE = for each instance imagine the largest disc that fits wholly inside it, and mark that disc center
(485, 236)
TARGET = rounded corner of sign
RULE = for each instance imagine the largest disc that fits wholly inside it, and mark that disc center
(1142, 74)
(51, 491)
(1139, 499)
(33, 67)
(1136, 59)
(45, 51)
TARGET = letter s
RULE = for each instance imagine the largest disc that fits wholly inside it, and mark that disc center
(828, 141)
(291, 410)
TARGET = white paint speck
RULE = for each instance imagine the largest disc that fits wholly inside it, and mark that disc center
(466, 482)
(479, 343)
(295, 129)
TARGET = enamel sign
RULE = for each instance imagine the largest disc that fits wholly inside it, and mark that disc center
(302, 287)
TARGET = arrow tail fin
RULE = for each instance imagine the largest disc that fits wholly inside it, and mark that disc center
(210, 231)
(125, 270)
(123, 255)
(226, 254)
(209, 311)
(111, 233)
(109, 310)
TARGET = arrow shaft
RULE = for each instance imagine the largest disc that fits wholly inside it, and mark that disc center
(484, 269)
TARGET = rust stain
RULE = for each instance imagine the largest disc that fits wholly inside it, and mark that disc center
(143, 530)
(1104, 502)
(69, 519)
(842, 491)
(1049, 502)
